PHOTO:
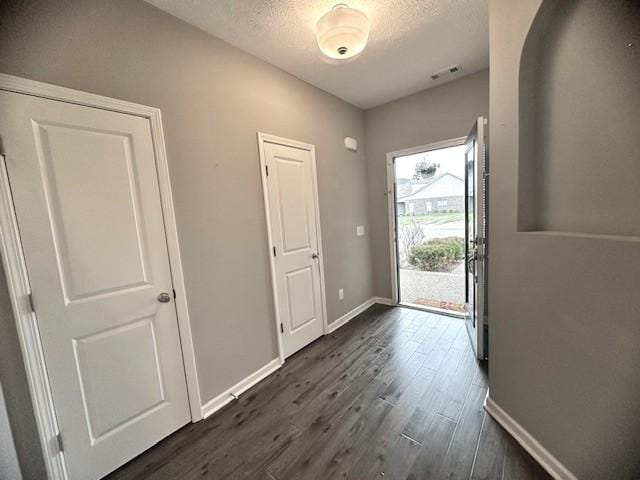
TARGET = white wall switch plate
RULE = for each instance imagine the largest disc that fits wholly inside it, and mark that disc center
(360, 230)
(341, 294)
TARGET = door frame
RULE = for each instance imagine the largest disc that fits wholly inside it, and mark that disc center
(391, 207)
(18, 281)
(262, 139)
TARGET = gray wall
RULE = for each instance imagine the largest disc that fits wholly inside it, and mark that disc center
(9, 464)
(437, 114)
(564, 311)
(20, 432)
(214, 98)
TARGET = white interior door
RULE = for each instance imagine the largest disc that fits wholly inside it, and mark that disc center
(475, 234)
(87, 199)
(291, 188)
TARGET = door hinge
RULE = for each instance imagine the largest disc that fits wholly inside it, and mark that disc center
(281, 328)
(174, 293)
(266, 167)
(274, 251)
(59, 443)
(32, 305)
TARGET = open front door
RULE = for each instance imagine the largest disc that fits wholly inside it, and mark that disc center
(475, 234)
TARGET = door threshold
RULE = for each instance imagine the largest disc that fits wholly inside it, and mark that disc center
(440, 311)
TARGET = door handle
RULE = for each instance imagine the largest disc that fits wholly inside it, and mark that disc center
(471, 260)
(315, 256)
(164, 297)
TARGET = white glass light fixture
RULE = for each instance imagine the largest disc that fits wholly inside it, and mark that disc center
(342, 33)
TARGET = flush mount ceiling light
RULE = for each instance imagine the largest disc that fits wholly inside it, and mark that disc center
(342, 33)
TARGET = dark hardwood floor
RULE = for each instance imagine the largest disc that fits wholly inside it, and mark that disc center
(394, 394)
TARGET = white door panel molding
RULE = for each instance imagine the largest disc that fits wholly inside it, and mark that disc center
(293, 220)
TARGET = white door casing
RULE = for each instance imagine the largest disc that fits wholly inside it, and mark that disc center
(86, 195)
(291, 205)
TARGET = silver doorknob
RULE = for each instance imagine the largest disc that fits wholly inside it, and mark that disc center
(314, 255)
(164, 297)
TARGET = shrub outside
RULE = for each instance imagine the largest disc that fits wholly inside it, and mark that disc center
(437, 254)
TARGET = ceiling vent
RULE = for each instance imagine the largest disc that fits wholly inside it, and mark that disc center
(445, 71)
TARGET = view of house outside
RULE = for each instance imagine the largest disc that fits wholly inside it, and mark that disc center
(430, 218)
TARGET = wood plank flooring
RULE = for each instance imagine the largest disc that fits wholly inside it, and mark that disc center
(394, 394)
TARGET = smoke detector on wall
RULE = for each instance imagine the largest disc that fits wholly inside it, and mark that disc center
(445, 71)
(351, 144)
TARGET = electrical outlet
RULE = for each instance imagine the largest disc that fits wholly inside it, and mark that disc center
(341, 294)
(360, 230)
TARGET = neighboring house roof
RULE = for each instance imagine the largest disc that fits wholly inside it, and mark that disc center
(404, 187)
(443, 185)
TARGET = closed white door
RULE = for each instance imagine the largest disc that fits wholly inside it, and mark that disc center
(290, 178)
(87, 200)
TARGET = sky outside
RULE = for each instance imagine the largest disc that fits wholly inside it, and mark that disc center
(450, 159)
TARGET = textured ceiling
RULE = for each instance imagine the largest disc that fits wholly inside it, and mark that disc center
(409, 40)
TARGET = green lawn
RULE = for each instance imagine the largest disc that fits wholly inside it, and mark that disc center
(433, 218)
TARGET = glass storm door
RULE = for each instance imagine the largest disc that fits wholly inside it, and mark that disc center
(475, 235)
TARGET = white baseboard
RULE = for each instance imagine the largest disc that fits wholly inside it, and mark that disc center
(382, 300)
(242, 386)
(551, 464)
(336, 324)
